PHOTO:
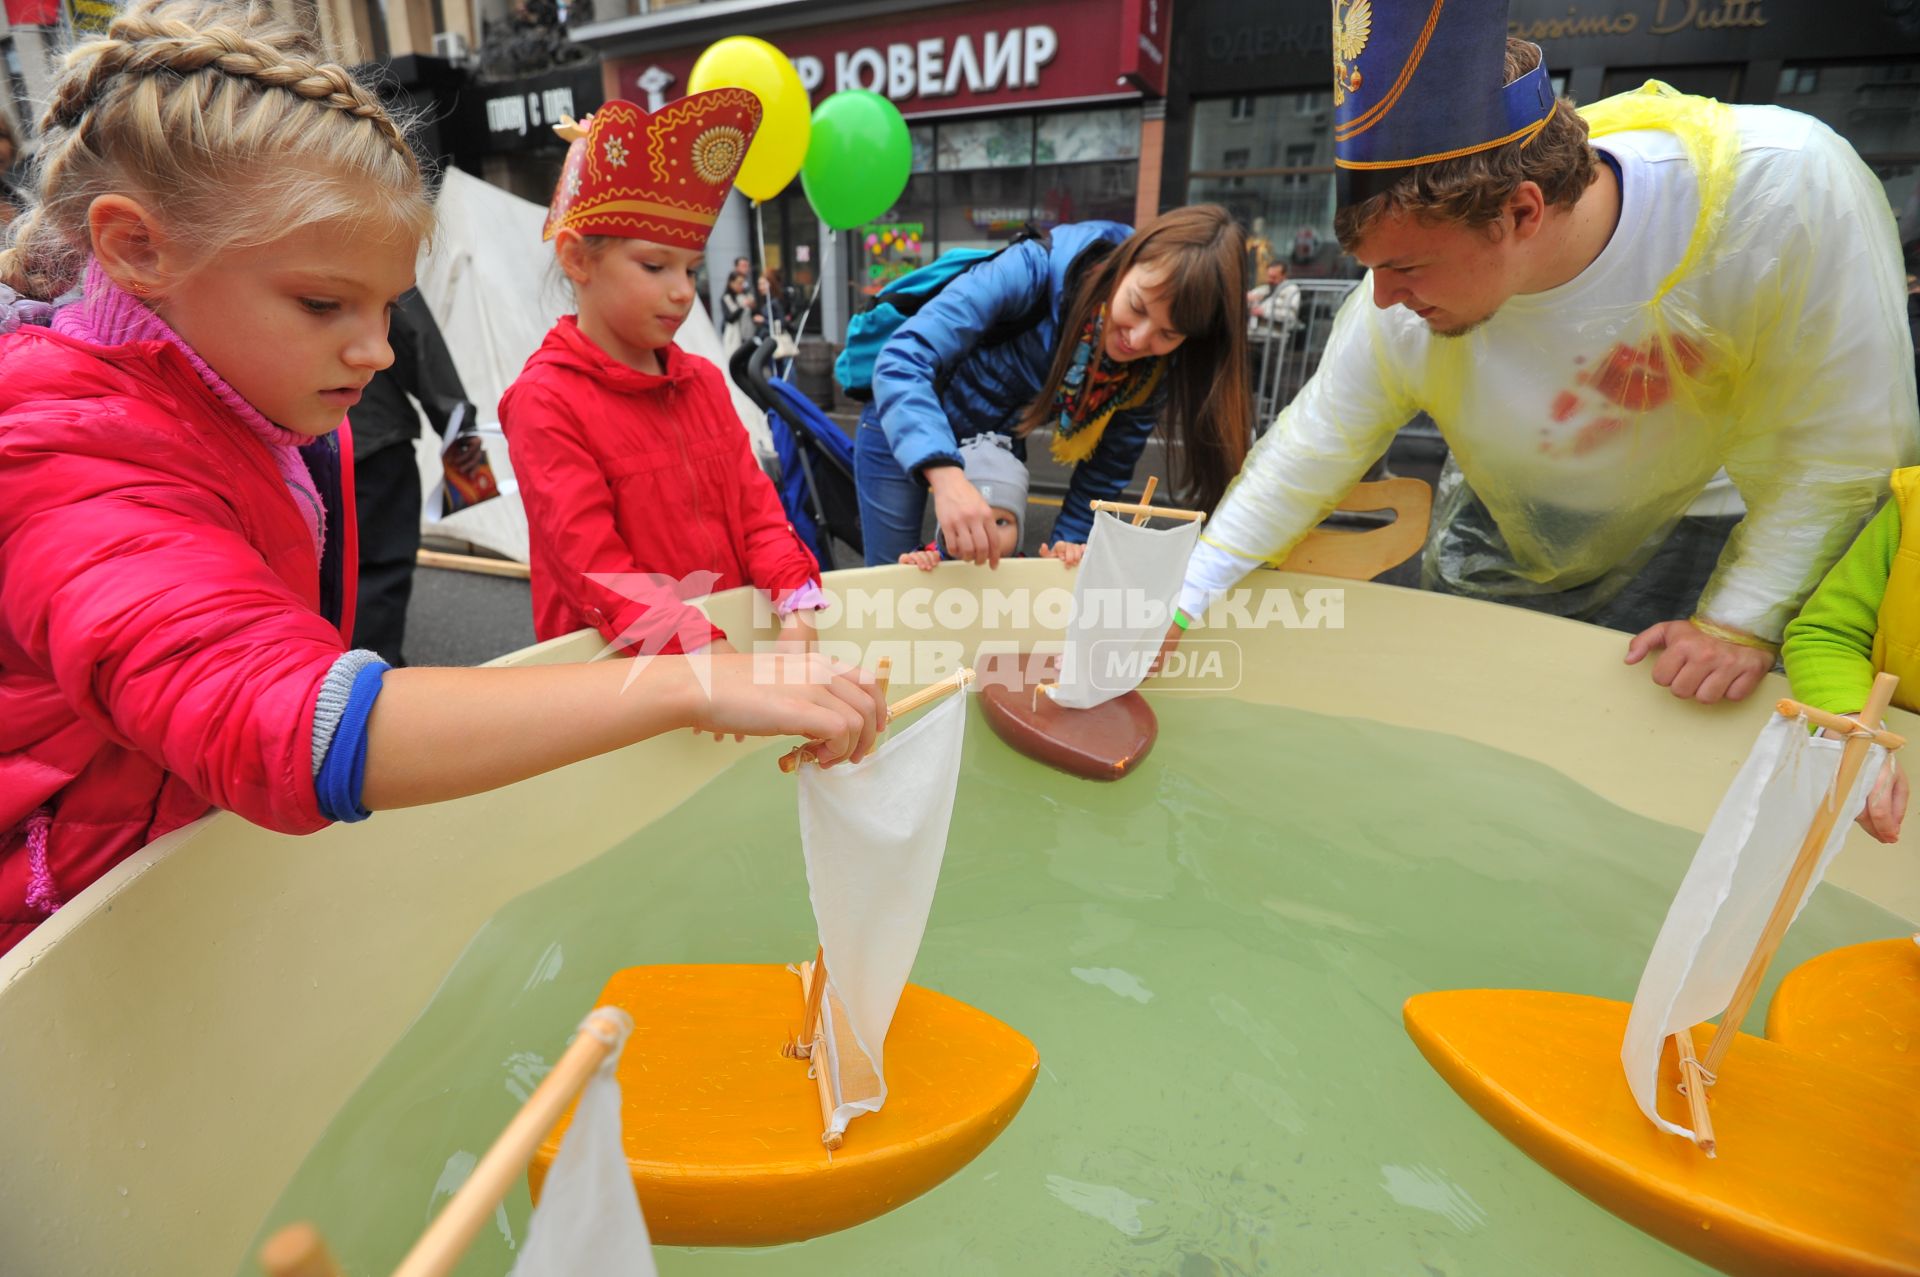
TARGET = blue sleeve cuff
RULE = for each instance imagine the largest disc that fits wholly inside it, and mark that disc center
(919, 468)
(344, 770)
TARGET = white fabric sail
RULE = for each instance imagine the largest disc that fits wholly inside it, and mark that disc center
(1729, 890)
(588, 1219)
(874, 834)
(1123, 600)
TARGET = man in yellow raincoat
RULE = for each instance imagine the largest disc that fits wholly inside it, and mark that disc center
(1602, 311)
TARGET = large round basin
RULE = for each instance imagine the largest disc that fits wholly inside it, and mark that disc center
(175, 1040)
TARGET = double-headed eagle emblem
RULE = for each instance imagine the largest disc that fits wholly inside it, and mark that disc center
(1352, 24)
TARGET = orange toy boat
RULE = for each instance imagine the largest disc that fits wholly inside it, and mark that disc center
(739, 1084)
(1794, 1153)
(722, 1131)
(1819, 1166)
(1858, 1006)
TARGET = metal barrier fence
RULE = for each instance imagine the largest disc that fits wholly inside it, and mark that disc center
(1284, 354)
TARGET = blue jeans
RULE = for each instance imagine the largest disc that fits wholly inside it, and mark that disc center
(892, 502)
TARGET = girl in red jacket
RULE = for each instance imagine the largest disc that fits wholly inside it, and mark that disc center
(223, 221)
(641, 488)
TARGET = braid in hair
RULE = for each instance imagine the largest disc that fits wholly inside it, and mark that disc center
(140, 44)
(182, 101)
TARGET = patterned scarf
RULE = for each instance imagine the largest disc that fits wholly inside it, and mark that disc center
(1095, 388)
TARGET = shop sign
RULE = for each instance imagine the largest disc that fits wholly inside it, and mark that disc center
(519, 115)
(1143, 53)
(33, 13)
(518, 112)
(1262, 42)
(1661, 17)
(956, 59)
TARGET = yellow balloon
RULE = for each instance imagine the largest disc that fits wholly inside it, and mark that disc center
(786, 123)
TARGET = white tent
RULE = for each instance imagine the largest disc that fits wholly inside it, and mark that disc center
(489, 280)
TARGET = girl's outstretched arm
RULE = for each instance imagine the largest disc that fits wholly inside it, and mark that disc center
(515, 723)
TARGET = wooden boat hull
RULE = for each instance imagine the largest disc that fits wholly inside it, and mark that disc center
(722, 1132)
(1819, 1162)
(1102, 743)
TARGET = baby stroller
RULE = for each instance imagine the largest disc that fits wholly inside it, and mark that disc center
(815, 456)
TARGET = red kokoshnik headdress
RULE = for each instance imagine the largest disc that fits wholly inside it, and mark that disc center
(659, 177)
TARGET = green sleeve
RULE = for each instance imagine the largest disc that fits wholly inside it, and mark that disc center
(1829, 647)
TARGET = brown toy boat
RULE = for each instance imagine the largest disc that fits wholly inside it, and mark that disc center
(1102, 743)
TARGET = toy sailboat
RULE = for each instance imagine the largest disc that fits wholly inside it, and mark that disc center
(737, 1130)
(1078, 711)
(1792, 1153)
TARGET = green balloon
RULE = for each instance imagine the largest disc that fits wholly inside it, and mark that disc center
(859, 158)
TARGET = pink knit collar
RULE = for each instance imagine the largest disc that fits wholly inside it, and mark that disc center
(108, 315)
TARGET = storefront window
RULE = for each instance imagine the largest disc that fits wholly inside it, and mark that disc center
(1268, 159)
(1798, 80)
(1084, 193)
(978, 183)
(792, 250)
(984, 207)
(1074, 137)
(900, 241)
(1721, 80)
(978, 144)
(1875, 106)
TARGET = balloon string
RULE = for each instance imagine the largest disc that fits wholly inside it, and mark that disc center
(801, 327)
(760, 235)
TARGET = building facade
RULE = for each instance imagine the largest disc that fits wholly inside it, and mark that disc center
(34, 34)
(1036, 112)
(1249, 106)
(1022, 113)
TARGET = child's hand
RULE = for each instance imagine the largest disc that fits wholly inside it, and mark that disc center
(1068, 552)
(776, 694)
(1887, 806)
(925, 560)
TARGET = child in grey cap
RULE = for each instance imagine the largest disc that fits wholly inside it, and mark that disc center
(1001, 478)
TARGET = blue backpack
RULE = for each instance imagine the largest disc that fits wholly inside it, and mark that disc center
(899, 301)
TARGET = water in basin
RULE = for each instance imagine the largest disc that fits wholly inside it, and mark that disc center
(1210, 955)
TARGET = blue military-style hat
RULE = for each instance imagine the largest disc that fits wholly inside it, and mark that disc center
(1418, 81)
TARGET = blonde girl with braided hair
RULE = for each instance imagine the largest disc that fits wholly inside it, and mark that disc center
(199, 289)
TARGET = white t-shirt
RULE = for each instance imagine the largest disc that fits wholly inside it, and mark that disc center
(1590, 416)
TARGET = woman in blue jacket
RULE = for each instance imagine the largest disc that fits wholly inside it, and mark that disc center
(1097, 332)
